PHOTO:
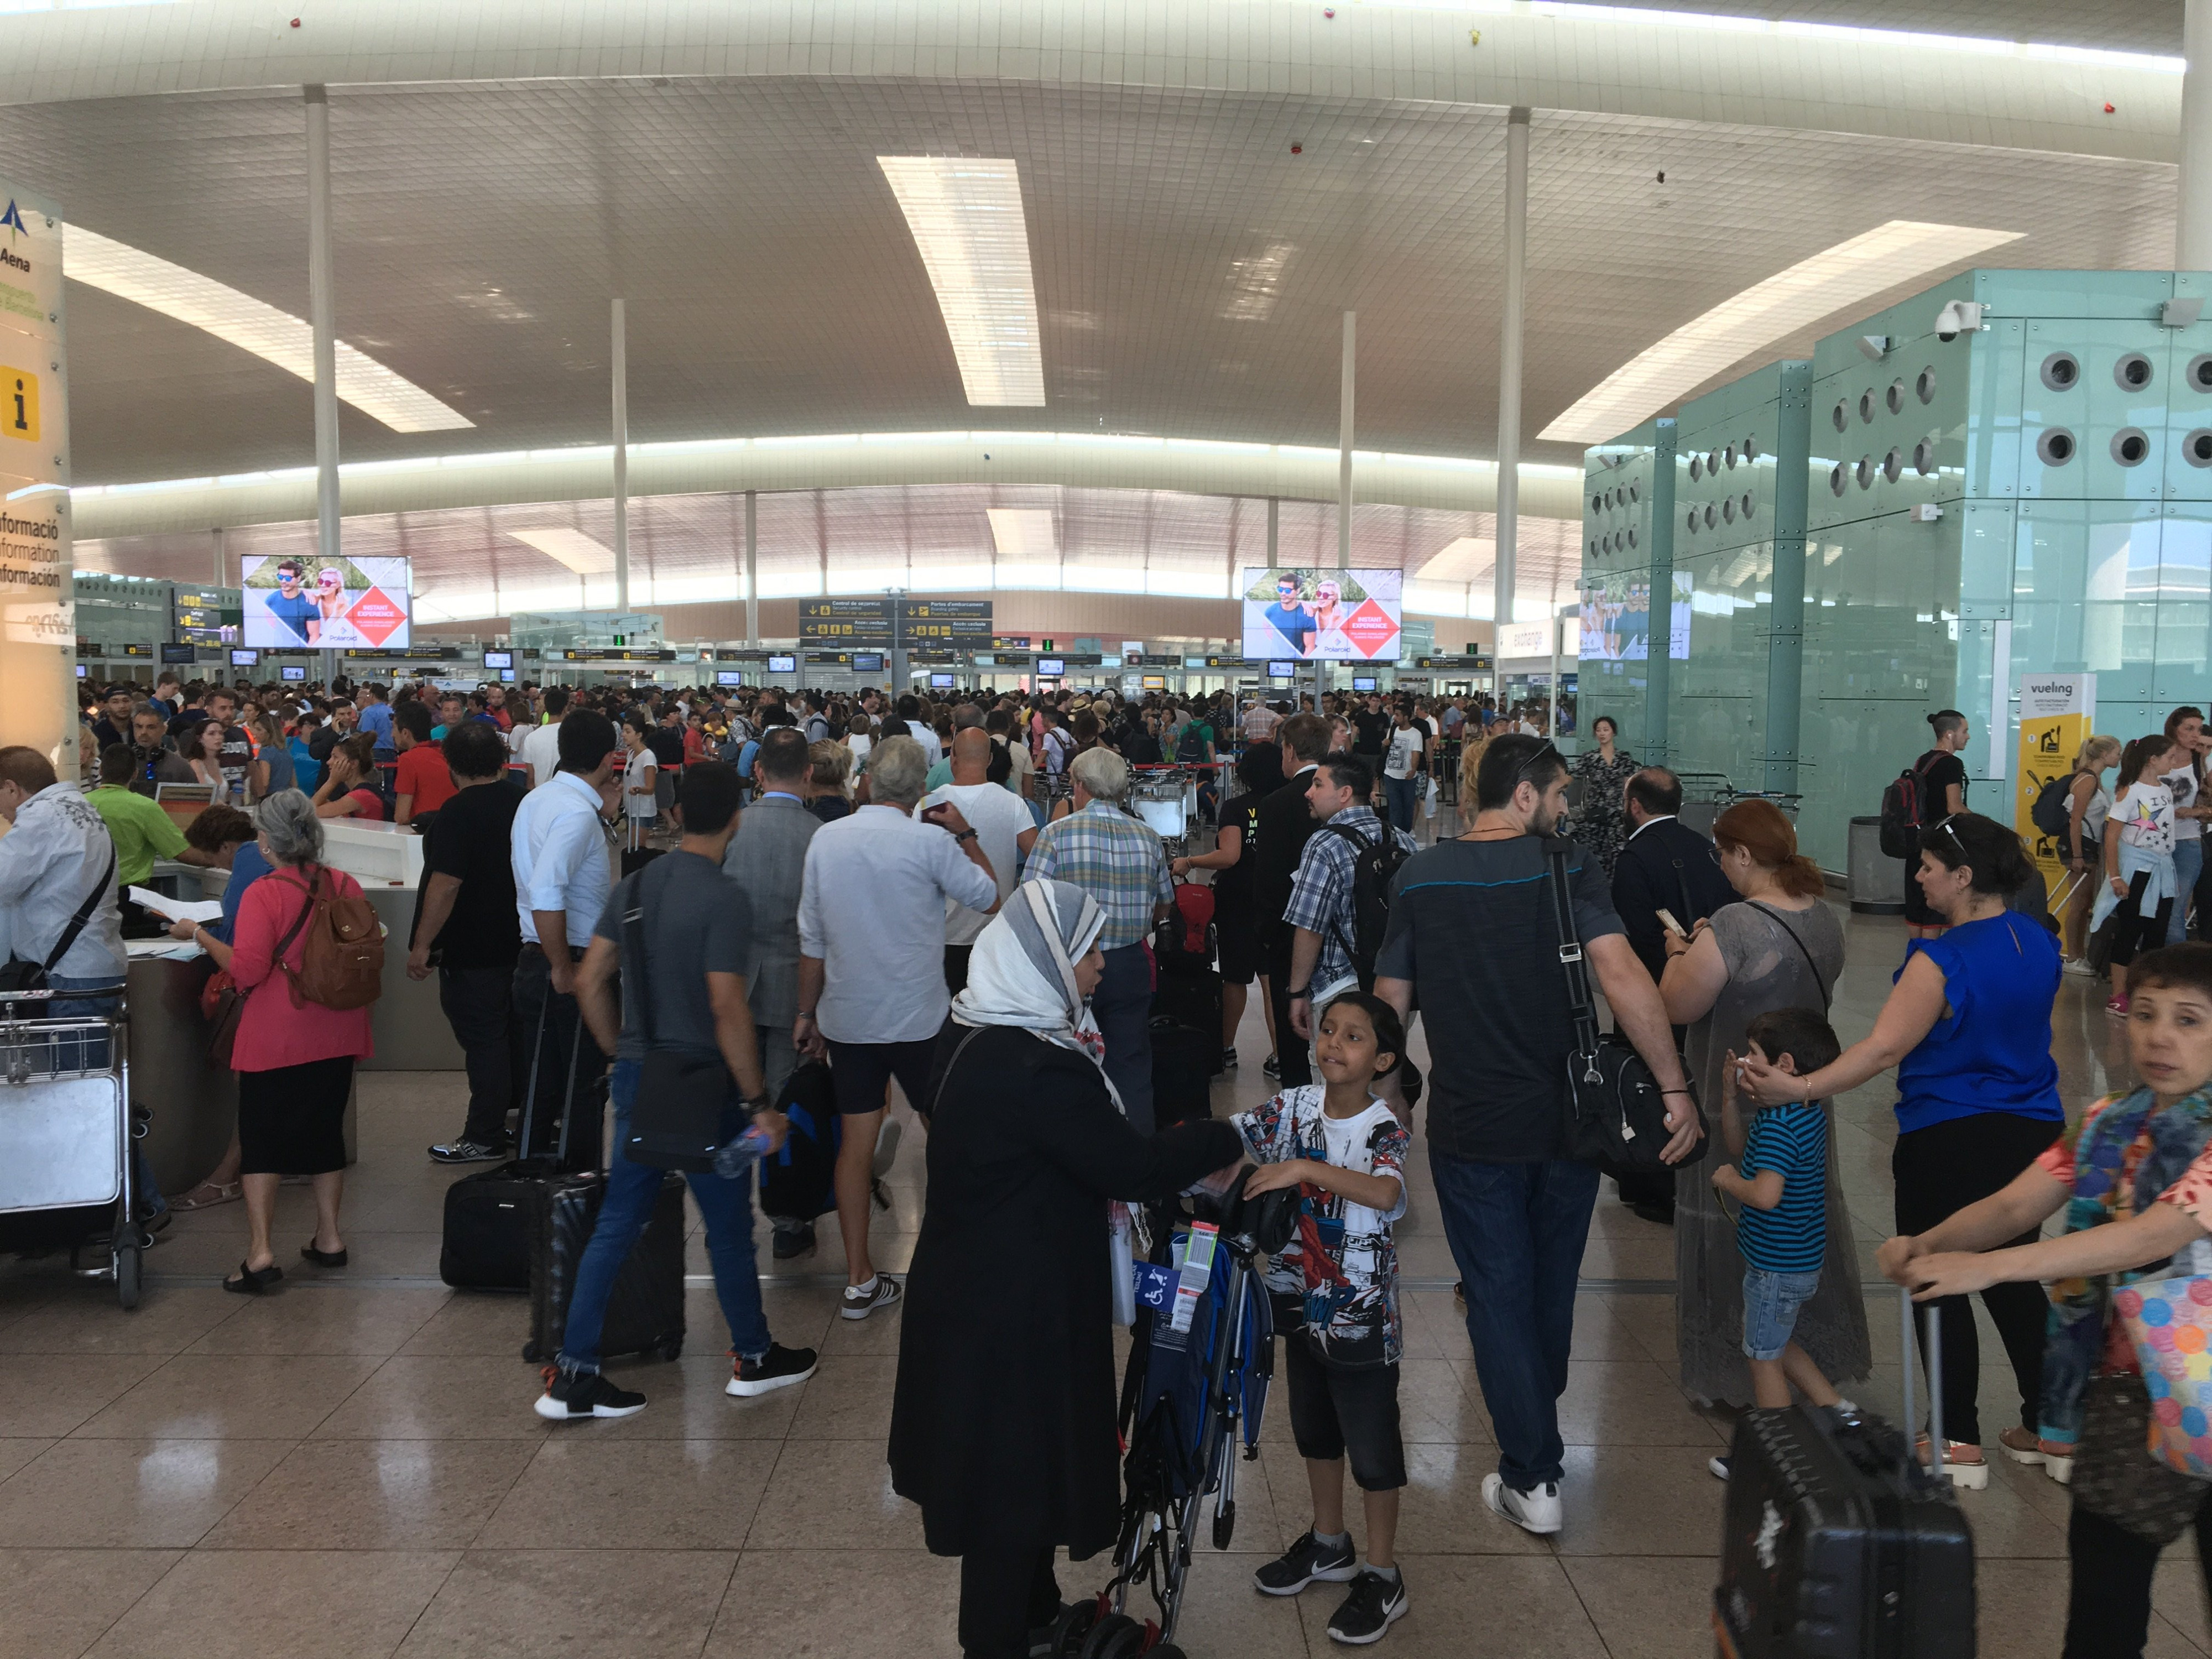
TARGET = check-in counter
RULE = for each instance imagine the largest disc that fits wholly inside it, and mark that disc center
(192, 1104)
(407, 1022)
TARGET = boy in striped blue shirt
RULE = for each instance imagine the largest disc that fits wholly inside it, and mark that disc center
(1780, 1178)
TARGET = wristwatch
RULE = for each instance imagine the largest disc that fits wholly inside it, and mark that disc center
(763, 1102)
(1303, 994)
(965, 835)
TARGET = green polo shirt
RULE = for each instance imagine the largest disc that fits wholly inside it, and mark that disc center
(142, 832)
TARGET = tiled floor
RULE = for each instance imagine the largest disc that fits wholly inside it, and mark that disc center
(351, 1467)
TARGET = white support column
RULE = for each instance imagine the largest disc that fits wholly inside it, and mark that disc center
(322, 311)
(1508, 368)
(752, 569)
(222, 565)
(2192, 228)
(619, 351)
(1344, 445)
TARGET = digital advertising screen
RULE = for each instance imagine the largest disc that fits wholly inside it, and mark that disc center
(867, 662)
(291, 602)
(1616, 617)
(499, 659)
(245, 660)
(1281, 670)
(940, 682)
(1363, 682)
(1322, 614)
(292, 673)
(783, 664)
(1051, 668)
(728, 677)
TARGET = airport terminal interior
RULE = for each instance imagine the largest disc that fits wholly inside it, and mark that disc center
(1764, 381)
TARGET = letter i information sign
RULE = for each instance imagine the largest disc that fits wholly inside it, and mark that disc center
(2056, 713)
(38, 615)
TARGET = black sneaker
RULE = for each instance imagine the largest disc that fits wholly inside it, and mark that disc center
(858, 1303)
(1228, 1060)
(469, 1151)
(779, 1368)
(1272, 1065)
(1375, 1603)
(1309, 1561)
(792, 1242)
(573, 1397)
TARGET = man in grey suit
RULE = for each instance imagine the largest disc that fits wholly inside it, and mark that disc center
(768, 858)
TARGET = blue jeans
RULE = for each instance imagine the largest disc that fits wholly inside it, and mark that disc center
(1516, 1231)
(93, 1052)
(1770, 1303)
(2188, 865)
(1404, 797)
(631, 1190)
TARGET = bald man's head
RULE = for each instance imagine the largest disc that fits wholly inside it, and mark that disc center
(971, 756)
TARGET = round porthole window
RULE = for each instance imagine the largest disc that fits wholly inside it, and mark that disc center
(1751, 449)
(2130, 447)
(1842, 417)
(1866, 470)
(1634, 494)
(1730, 453)
(1837, 478)
(1747, 507)
(1593, 548)
(1710, 515)
(1866, 406)
(2056, 447)
(1631, 536)
(2197, 448)
(1697, 468)
(1925, 385)
(1691, 523)
(1727, 511)
(1597, 503)
(2062, 370)
(1713, 463)
(1923, 457)
(2132, 372)
(1893, 465)
(1895, 398)
(2200, 371)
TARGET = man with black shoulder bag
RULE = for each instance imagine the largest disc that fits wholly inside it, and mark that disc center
(1528, 1105)
(686, 1089)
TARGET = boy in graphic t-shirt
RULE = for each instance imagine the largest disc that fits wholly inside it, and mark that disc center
(1780, 1178)
(1335, 1287)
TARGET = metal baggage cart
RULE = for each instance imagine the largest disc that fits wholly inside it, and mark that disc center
(1166, 798)
(66, 1128)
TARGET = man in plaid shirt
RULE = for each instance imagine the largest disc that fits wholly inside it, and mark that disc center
(1117, 859)
(1321, 913)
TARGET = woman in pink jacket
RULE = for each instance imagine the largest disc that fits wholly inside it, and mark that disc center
(294, 1057)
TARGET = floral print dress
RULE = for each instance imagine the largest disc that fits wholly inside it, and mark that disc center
(1600, 822)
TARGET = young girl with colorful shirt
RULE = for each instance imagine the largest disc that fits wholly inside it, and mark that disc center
(2135, 1180)
(2139, 872)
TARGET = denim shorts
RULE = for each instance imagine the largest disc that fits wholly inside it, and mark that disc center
(1771, 1302)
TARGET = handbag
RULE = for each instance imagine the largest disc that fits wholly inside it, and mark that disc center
(2169, 1324)
(683, 1098)
(1616, 1116)
(222, 1004)
(21, 974)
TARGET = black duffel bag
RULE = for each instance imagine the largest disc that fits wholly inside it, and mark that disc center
(1616, 1116)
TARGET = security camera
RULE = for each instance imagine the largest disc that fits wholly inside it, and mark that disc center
(1958, 317)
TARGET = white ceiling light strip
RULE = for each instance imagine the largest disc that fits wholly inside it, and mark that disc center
(572, 548)
(1984, 45)
(243, 321)
(966, 217)
(1846, 275)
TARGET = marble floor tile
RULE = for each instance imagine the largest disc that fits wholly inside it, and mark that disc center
(846, 1602)
(375, 1495)
(51, 1394)
(578, 1493)
(611, 1604)
(222, 1396)
(129, 1494)
(849, 1398)
(82, 1318)
(319, 1320)
(478, 1324)
(834, 1495)
(1648, 1607)
(54, 1603)
(1518, 1605)
(441, 1397)
(687, 1401)
(284, 1604)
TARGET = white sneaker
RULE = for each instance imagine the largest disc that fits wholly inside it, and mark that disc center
(1536, 1510)
(2080, 968)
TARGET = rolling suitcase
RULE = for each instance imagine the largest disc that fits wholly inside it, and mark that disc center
(1838, 1545)
(1187, 993)
(645, 1310)
(492, 1217)
(1183, 1065)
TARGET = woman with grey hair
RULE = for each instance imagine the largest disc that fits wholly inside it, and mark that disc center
(294, 1058)
(1002, 1419)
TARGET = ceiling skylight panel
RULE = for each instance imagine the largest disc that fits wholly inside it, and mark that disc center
(1846, 275)
(965, 213)
(570, 547)
(243, 321)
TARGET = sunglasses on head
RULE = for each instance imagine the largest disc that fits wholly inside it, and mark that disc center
(1521, 775)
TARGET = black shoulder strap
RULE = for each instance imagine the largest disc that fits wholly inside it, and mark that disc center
(1827, 994)
(1682, 891)
(83, 913)
(634, 955)
(1579, 1005)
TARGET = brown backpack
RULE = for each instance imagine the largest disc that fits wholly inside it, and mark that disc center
(342, 963)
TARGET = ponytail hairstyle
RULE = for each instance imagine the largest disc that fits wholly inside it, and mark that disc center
(2188, 711)
(2140, 754)
(1946, 722)
(2096, 753)
(1760, 829)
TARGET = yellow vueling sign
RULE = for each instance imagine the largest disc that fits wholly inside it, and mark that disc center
(2056, 712)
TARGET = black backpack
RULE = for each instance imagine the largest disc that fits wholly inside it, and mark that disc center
(1374, 866)
(1190, 748)
(795, 1180)
(2053, 812)
(1903, 811)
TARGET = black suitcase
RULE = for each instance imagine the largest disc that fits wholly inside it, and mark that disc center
(492, 1217)
(1188, 994)
(1183, 1065)
(645, 1310)
(1838, 1545)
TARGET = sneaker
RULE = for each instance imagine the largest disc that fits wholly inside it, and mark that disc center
(859, 1303)
(1228, 1060)
(468, 1152)
(1535, 1510)
(779, 1368)
(1309, 1561)
(2079, 967)
(792, 1242)
(1719, 1467)
(572, 1396)
(1375, 1603)
(1272, 1065)
(2117, 1008)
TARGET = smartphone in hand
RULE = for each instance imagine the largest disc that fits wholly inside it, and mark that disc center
(1667, 921)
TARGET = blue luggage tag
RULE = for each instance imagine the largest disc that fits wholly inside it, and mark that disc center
(1156, 1287)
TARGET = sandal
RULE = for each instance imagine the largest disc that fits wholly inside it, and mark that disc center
(250, 1283)
(209, 1193)
(322, 1258)
(1966, 1474)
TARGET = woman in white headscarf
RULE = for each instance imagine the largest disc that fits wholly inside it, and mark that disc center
(1002, 1423)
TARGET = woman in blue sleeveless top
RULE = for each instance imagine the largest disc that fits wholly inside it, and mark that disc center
(1968, 1028)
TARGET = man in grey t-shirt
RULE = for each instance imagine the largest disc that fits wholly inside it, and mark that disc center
(690, 987)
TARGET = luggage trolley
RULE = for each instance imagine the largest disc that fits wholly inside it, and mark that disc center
(1188, 1396)
(1166, 798)
(66, 1131)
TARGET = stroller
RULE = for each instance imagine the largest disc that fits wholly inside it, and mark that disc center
(1187, 1397)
